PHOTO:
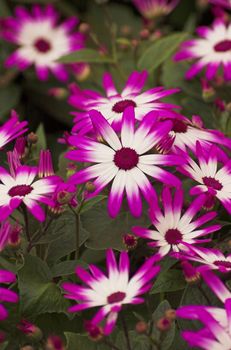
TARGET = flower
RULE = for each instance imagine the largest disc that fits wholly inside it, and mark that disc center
(41, 40)
(213, 259)
(113, 105)
(223, 3)
(124, 161)
(45, 165)
(212, 50)
(216, 334)
(21, 188)
(185, 133)
(216, 183)
(5, 233)
(154, 8)
(110, 291)
(11, 129)
(6, 295)
(172, 228)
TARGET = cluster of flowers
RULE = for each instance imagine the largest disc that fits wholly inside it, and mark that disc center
(126, 139)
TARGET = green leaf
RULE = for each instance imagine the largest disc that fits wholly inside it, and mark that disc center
(169, 281)
(40, 132)
(160, 51)
(138, 342)
(85, 55)
(66, 268)
(38, 293)
(9, 98)
(167, 337)
(106, 232)
(82, 342)
(91, 202)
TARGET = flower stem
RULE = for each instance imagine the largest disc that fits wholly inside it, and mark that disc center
(126, 334)
(25, 214)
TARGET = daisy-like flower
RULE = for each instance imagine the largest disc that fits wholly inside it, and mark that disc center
(22, 188)
(215, 182)
(11, 129)
(185, 134)
(212, 259)
(212, 50)
(41, 40)
(155, 8)
(223, 3)
(110, 291)
(216, 334)
(114, 103)
(6, 295)
(172, 227)
(124, 160)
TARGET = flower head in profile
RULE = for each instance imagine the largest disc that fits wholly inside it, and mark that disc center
(114, 103)
(6, 295)
(111, 291)
(22, 188)
(216, 331)
(213, 180)
(41, 41)
(125, 160)
(155, 8)
(11, 129)
(172, 227)
(211, 50)
(212, 259)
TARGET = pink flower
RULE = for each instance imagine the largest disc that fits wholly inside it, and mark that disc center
(11, 129)
(211, 50)
(125, 160)
(172, 228)
(154, 8)
(6, 295)
(110, 292)
(113, 105)
(41, 40)
(223, 3)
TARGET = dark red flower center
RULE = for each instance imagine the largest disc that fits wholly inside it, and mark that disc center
(173, 236)
(223, 263)
(213, 183)
(126, 158)
(120, 106)
(223, 46)
(20, 190)
(42, 45)
(179, 126)
(116, 297)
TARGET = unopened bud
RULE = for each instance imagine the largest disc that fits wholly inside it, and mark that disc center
(134, 43)
(30, 330)
(170, 314)
(71, 169)
(64, 197)
(83, 73)
(130, 241)
(144, 34)
(163, 324)
(208, 92)
(94, 332)
(58, 92)
(126, 30)
(141, 327)
(32, 138)
(191, 274)
(84, 28)
(15, 236)
(90, 187)
(54, 343)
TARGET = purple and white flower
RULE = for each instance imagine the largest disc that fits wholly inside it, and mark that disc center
(211, 50)
(114, 103)
(172, 228)
(23, 189)
(215, 182)
(154, 8)
(216, 334)
(111, 291)
(6, 295)
(212, 259)
(41, 40)
(125, 160)
(12, 129)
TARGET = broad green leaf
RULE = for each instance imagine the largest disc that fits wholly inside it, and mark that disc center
(106, 232)
(160, 51)
(138, 342)
(82, 342)
(38, 293)
(40, 132)
(85, 55)
(91, 202)
(167, 337)
(66, 268)
(169, 281)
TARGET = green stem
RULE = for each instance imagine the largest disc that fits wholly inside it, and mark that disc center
(25, 214)
(126, 334)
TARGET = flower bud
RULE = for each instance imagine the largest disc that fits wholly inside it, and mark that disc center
(163, 324)
(170, 314)
(190, 272)
(144, 34)
(94, 332)
(54, 343)
(32, 138)
(14, 240)
(58, 92)
(83, 72)
(130, 241)
(64, 197)
(30, 330)
(90, 187)
(71, 169)
(141, 327)
(208, 92)
(84, 28)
